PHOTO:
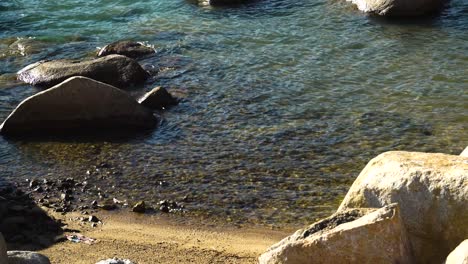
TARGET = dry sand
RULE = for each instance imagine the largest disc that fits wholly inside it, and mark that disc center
(150, 239)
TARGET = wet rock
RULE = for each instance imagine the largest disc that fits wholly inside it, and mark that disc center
(33, 184)
(65, 197)
(399, 8)
(459, 255)
(158, 98)
(77, 105)
(139, 207)
(116, 70)
(130, 49)
(377, 237)
(108, 205)
(26, 257)
(168, 206)
(431, 190)
(93, 218)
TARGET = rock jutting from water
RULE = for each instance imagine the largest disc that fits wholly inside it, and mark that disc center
(399, 7)
(377, 237)
(77, 105)
(130, 49)
(431, 191)
(158, 98)
(116, 70)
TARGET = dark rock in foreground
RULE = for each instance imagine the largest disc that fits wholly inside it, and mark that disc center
(26, 257)
(399, 7)
(127, 48)
(116, 70)
(76, 105)
(158, 98)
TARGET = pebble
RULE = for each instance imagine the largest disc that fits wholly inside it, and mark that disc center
(139, 207)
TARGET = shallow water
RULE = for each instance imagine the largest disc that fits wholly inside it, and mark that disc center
(284, 102)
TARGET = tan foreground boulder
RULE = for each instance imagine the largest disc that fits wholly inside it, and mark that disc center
(432, 191)
(378, 237)
(464, 153)
(399, 7)
(77, 105)
(459, 255)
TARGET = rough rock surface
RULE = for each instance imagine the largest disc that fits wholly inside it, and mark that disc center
(78, 104)
(130, 49)
(158, 98)
(399, 7)
(464, 153)
(431, 189)
(115, 261)
(116, 70)
(459, 255)
(26, 257)
(3, 250)
(378, 237)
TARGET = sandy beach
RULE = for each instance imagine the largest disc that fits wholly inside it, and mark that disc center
(153, 239)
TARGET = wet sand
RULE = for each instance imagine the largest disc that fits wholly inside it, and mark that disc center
(155, 239)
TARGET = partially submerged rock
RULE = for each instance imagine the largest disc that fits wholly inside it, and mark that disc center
(77, 105)
(399, 7)
(139, 207)
(432, 191)
(459, 255)
(377, 237)
(130, 49)
(26, 257)
(116, 70)
(158, 98)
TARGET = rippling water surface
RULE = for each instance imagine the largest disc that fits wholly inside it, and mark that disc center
(284, 102)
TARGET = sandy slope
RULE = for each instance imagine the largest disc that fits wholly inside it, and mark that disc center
(146, 239)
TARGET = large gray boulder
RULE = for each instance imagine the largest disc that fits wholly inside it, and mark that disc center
(399, 7)
(130, 49)
(432, 191)
(26, 257)
(77, 104)
(116, 70)
(376, 237)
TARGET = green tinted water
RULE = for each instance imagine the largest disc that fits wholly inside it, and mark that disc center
(284, 102)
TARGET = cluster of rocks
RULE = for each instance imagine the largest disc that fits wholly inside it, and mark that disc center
(404, 207)
(87, 95)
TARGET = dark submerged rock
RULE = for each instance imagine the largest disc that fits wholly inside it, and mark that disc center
(130, 49)
(158, 98)
(116, 70)
(139, 207)
(77, 105)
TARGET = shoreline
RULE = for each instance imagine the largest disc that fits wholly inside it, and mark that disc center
(150, 239)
